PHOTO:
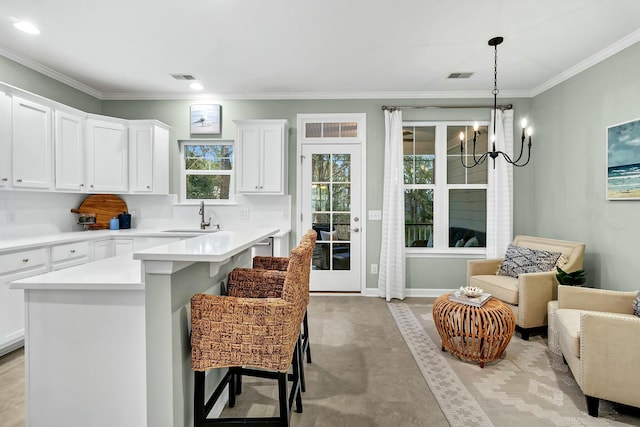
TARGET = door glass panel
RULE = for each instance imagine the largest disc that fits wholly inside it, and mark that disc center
(330, 206)
(341, 197)
(341, 168)
(319, 197)
(342, 223)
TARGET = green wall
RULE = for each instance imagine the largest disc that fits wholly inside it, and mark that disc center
(421, 272)
(27, 79)
(561, 194)
(568, 179)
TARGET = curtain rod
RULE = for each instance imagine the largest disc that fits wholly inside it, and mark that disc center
(436, 107)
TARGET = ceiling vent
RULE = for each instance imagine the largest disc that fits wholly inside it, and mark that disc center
(460, 75)
(183, 77)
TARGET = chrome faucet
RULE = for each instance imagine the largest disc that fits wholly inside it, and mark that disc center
(203, 224)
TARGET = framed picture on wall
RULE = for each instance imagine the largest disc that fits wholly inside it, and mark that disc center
(623, 161)
(205, 119)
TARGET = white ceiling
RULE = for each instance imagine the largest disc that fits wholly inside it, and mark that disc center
(278, 49)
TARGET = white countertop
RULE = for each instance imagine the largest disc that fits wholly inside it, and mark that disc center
(16, 244)
(214, 247)
(124, 272)
(116, 273)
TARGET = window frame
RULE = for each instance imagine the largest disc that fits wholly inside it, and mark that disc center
(441, 191)
(183, 172)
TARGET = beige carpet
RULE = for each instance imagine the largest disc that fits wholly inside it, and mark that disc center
(530, 386)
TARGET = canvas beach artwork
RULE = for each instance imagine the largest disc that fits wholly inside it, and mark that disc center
(623, 161)
(205, 119)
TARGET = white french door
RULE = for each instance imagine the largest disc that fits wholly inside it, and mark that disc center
(330, 203)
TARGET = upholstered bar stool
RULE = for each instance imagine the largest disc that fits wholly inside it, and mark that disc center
(250, 336)
(265, 280)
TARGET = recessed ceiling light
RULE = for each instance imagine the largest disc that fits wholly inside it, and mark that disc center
(27, 27)
(196, 86)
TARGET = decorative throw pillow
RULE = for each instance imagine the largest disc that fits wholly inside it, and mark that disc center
(326, 235)
(520, 259)
(636, 305)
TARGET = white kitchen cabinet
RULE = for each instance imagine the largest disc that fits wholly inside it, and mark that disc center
(122, 246)
(14, 266)
(69, 255)
(148, 157)
(31, 144)
(69, 151)
(107, 156)
(101, 249)
(5, 140)
(261, 149)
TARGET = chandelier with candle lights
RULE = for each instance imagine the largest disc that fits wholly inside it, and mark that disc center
(494, 153)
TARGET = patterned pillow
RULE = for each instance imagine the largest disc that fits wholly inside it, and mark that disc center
(519, 260)
(636, 305)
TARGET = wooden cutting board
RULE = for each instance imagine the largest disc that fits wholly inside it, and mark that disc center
(105, 206)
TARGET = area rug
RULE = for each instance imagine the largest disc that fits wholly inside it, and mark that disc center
(529, 386)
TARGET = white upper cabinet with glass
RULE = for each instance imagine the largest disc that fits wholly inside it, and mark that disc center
(31, 144)
(262, 156)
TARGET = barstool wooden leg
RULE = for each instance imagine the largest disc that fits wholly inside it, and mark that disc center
(305, 333)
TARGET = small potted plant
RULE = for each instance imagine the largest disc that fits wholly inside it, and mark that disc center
(575, 278)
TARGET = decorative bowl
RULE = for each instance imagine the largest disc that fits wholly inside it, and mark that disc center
(471, 291)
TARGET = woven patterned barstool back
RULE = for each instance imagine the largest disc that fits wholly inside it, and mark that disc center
(247, 333)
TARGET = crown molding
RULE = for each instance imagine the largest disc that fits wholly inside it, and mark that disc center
(311, 95)
(49, 72)
(605, 53)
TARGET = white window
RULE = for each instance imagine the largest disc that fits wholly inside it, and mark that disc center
(206, 171)
(445, 203)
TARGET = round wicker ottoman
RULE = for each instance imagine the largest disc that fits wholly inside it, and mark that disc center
(478, 334)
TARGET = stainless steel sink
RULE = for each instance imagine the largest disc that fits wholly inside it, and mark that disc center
(191, 231)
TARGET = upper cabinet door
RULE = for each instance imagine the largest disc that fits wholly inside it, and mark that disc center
(69, 149)
(261, 165)
(107, 157)
(31, 144)
(5, 140)
(141, 159)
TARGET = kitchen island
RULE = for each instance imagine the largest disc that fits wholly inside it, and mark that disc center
(107, 343)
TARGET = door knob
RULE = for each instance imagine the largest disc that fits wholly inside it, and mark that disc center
(355, 230)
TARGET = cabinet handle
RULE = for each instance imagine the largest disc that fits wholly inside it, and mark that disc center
(25, 260)
(148, 187)
(18, 180)
(91, 186)
(81, 185)
(257, 187)
(5, 179)
(73, 251)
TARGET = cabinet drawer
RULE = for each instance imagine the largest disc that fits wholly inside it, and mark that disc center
(17, 261)
(69, 251)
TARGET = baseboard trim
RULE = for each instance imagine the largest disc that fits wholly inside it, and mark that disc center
(411, 292)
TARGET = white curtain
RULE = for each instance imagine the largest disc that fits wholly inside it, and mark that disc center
(500, 188)
(391, 275)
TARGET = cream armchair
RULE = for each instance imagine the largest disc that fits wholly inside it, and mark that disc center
(598, 336)
(528, 294)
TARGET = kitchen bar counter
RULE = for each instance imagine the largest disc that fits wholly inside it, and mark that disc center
(108, 346)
